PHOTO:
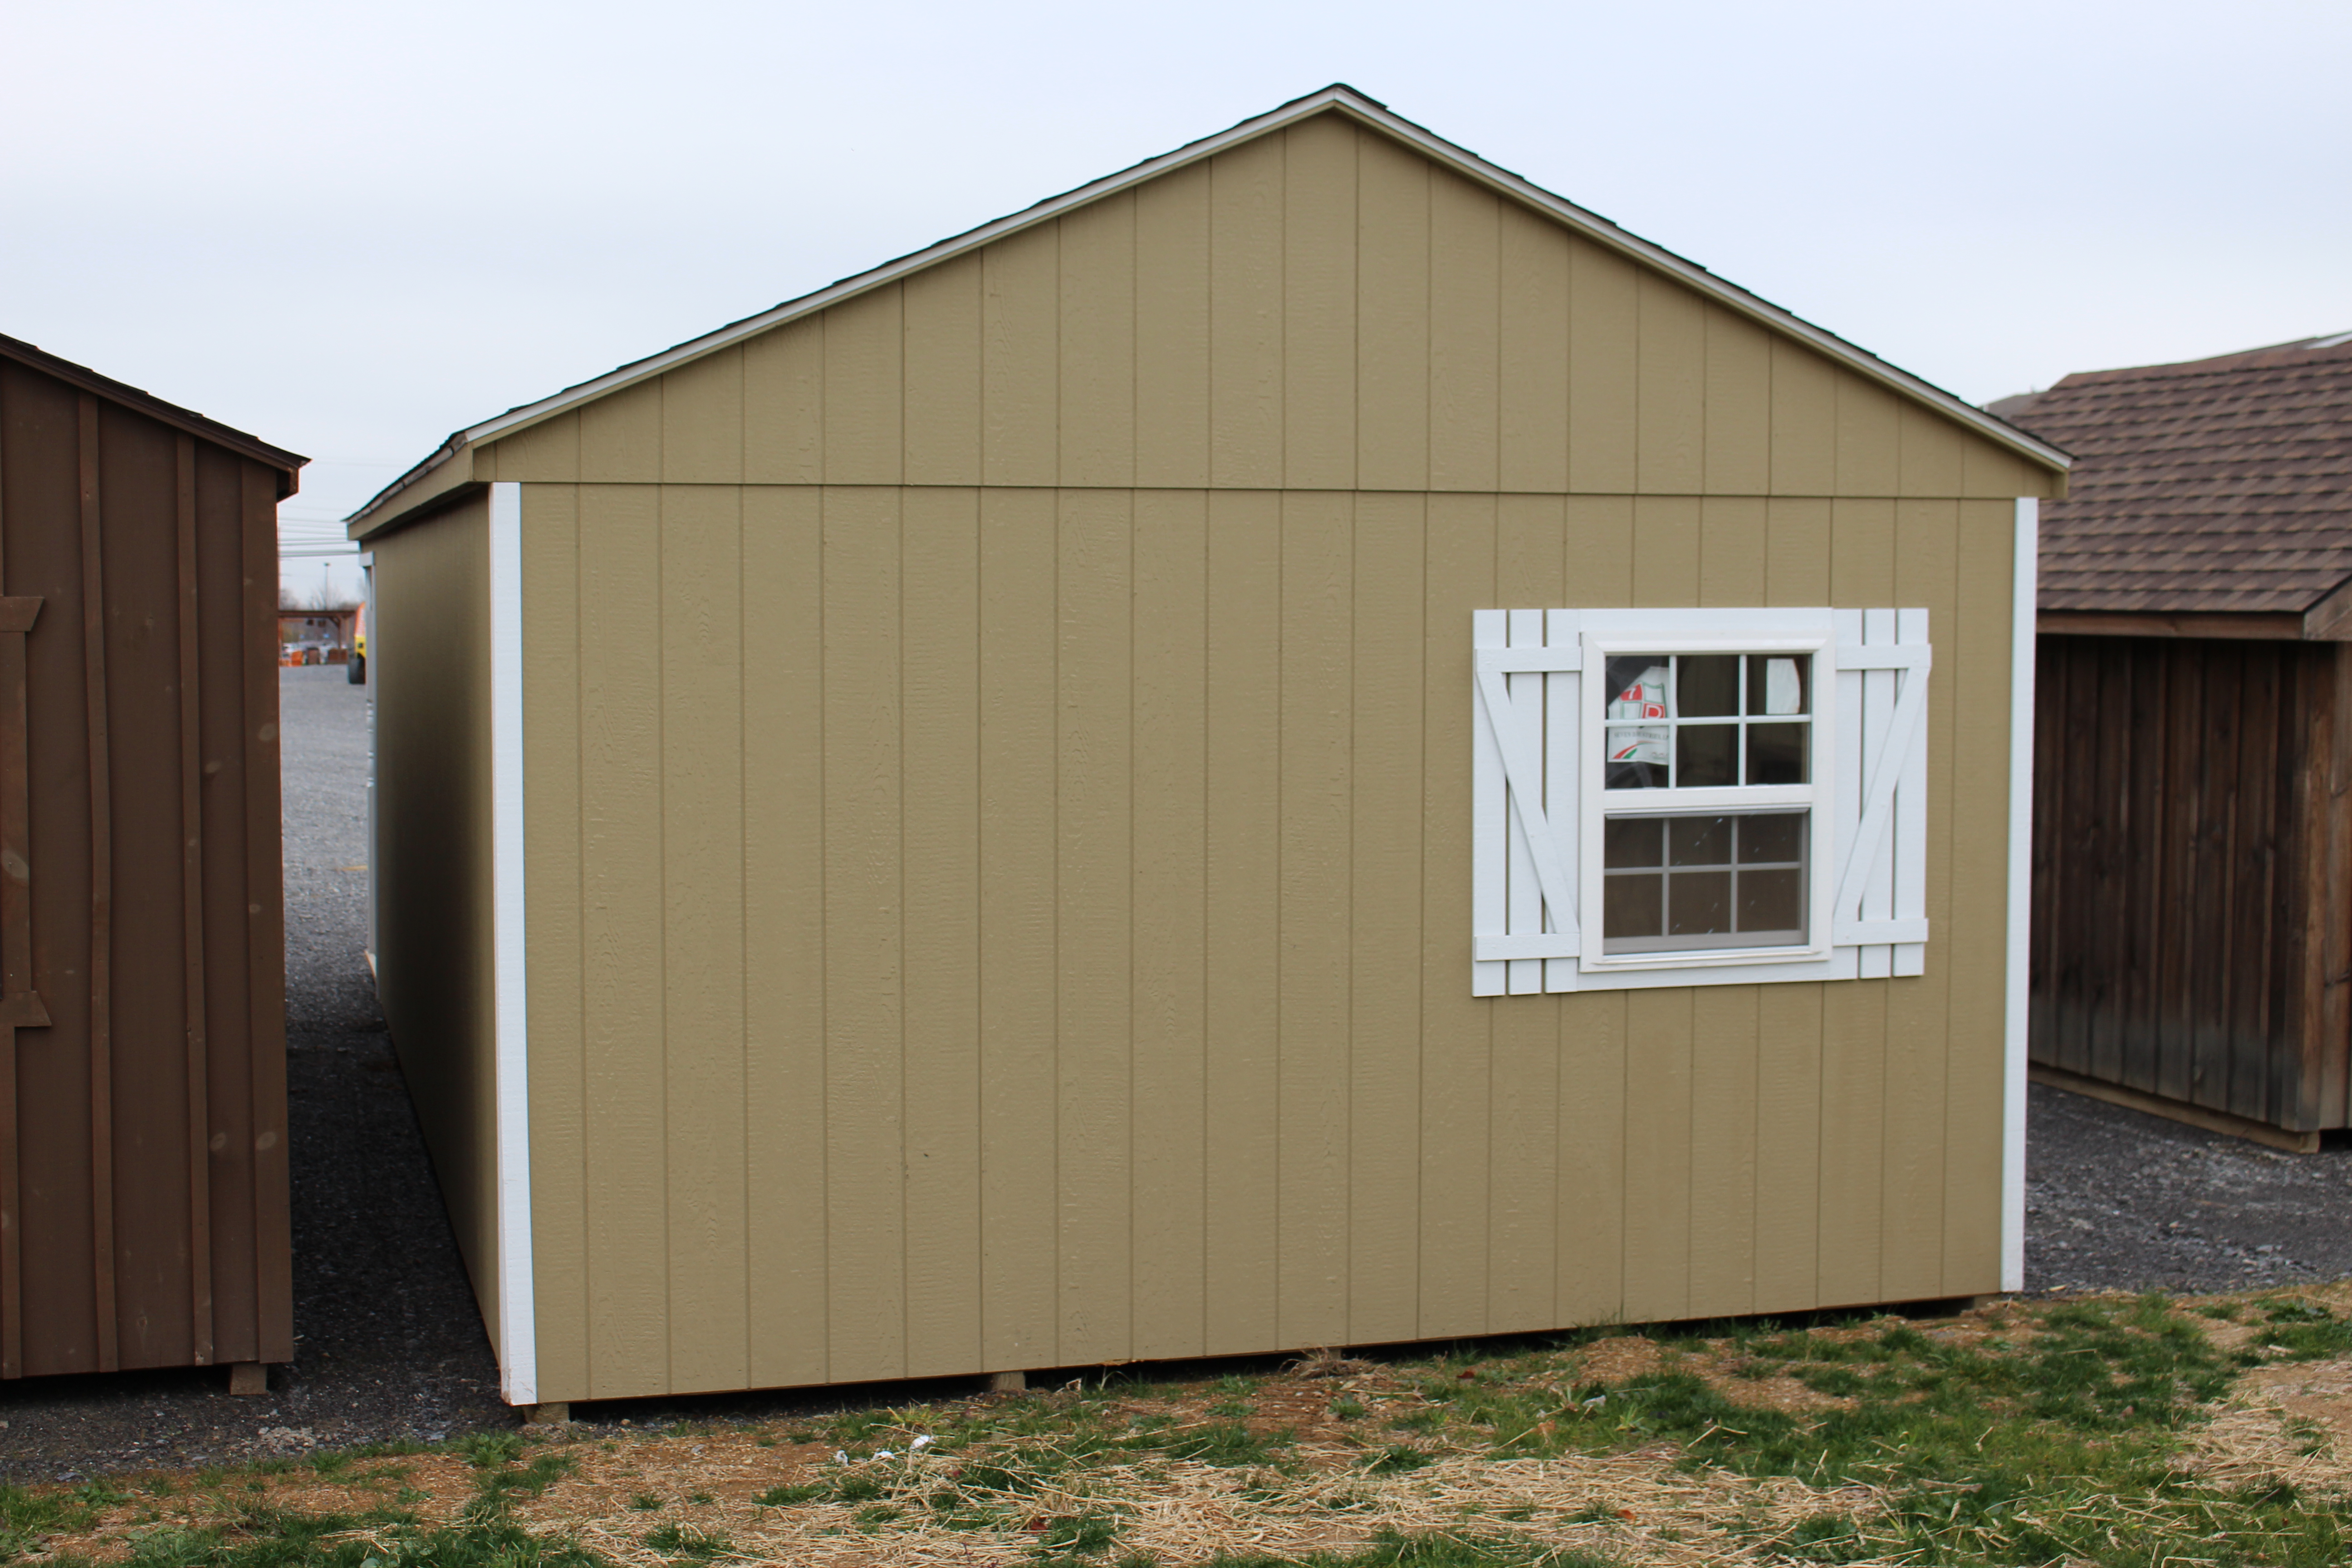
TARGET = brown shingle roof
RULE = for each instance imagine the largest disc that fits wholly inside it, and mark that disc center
(2219, 485)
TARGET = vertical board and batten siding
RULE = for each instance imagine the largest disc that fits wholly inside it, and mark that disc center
(998, 806)
(1047, 944)
(429, 662)
(2190, 935)
(143, 1217)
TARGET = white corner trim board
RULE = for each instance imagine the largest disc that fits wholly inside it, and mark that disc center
(511, 1009)
(2024, 589)
(375, 860)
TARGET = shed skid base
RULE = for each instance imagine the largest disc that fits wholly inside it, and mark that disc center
(2178, 1110)
(1007, 1382)
(249, 1377)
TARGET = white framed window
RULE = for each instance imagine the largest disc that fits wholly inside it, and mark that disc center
(1688, 772)
(1698, 796)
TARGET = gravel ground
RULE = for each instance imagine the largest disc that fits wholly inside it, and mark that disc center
(389, 1344)
(2116, 1200)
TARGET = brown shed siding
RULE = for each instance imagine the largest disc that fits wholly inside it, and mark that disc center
(144, 1208)
(2189, 928)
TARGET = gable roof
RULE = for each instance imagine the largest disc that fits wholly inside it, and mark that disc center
(1336, 99)
(2215, 486)
(288, 464)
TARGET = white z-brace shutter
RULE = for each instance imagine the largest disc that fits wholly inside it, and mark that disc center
(1524, 775)
(1523, 817)
(1880, 906)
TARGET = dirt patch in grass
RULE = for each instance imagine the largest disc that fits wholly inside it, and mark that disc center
(2289, 1425)
(1618, 1358)
(2288, 1419)
(2318, 1393)
(1782, 1394)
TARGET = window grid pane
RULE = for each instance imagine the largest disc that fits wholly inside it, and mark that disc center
(1660, 736)
(1715, 887)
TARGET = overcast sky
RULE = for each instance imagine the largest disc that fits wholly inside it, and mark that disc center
(351, 228)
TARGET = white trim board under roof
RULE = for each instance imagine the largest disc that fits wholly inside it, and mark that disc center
(1338, 98)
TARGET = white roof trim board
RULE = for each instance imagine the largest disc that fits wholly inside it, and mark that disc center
(1339, 97)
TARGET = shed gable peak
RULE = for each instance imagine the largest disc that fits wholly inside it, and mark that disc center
(1364, 217)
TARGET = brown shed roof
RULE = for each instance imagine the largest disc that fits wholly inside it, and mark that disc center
(288, 464)
(2217, 485)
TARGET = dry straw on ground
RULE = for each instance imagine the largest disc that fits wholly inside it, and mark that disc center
(1635, 1507)
(1632, 1505)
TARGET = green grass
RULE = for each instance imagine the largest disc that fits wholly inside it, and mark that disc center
(1071, 1541)
(685, 1541)
(289, 1540)
(2297, 1330)
(528, 1480)
(26, 1517)
(488, 1451)
(1218, 1443)
(1396, 1459)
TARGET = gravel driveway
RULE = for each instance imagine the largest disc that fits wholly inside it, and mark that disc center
(2119, 1200)
(389, 1344)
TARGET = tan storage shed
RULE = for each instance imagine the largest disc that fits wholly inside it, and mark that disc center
(1030, 808)
(142, 1042)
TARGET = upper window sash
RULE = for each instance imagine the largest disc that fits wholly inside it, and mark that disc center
(1763, 632)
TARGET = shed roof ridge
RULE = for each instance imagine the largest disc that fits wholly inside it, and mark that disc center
(1338, 96)
(2324, 348)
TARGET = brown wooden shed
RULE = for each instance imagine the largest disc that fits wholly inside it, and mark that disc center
(1053, 802)
(142, 1053)
(2193, 871)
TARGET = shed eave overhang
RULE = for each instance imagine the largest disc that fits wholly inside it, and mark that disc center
(1340, 98)
(2326, 618)
(288, 465)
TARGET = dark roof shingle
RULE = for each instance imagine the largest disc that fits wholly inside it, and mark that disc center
(2219, 485)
